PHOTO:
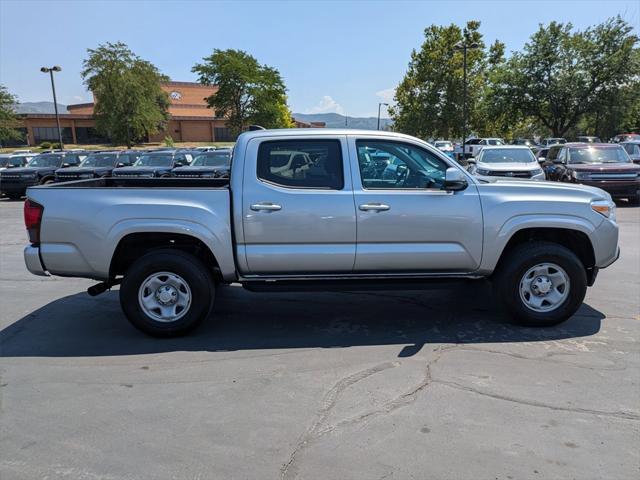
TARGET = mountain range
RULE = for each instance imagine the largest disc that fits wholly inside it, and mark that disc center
(335, 120)
(332, 120)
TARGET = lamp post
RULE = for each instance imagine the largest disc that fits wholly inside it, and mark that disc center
(380, 105)
(464, 47)
(50, 71)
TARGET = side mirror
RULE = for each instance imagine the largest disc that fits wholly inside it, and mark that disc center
(11, 166)
(471, 160)
(454, 180)
(121, 164)
(65, 165)
(179, 164)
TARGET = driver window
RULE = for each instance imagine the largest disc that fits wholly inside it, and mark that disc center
(390, 165)
(562, 158)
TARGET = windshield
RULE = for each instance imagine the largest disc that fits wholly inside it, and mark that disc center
(46, 161)
(507, 155)
(157, 160)
(104, 160)
(212, 160)
(598, 155)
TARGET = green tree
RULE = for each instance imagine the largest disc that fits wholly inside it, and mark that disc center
(9, 122)
(429, 97)
(130, 104)
(248, 92)
(563, 75)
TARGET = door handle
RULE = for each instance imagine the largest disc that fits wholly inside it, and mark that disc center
(270, 207)
(376, 207)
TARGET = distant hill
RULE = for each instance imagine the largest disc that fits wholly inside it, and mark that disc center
(335, 120)
(39, 107)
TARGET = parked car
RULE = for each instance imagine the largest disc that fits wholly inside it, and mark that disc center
(541, 155)
(99, 164)
(15, 160)
(547, 142)
(633, 149)
(514, 161)
(446, 147)
(213, 164)
(625, 137)
(601, 165)
(39, 171)
(588, 139)
(333, 225)
(474, 145)
(154, 164)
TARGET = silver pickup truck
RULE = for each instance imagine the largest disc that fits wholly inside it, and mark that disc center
(322, 209)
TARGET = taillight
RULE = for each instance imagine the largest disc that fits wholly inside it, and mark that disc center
(32, 218)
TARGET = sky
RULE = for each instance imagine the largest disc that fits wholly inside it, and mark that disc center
(334, 56)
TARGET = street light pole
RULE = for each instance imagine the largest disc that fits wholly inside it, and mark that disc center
(380, 105)
(464, 47)
(55, 100)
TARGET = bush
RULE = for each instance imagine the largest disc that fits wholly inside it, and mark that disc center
(168, 141)
(56, 145)
(45, 145)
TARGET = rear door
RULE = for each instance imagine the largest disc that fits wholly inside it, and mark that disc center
(407, 223)
(298, 214)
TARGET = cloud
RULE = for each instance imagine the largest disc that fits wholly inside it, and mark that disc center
(327, 105)
(386, 95)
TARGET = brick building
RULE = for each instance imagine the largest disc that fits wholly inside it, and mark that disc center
(191, 120)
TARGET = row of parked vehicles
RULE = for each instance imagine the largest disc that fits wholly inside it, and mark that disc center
(613, 167)
(21, 170)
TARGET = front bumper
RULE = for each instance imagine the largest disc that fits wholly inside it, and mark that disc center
(12, 188)
(617, 189)
(33, 262)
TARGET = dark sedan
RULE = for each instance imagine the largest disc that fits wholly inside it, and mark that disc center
(633, 149)
(154, 164)
(213, 164)
(39, 171)
(98, 165)
(601, 165)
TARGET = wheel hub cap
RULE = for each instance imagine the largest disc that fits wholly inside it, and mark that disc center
(544, 287)
(164, 297)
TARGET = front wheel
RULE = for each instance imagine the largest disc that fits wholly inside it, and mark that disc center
(166, 293)
(541, 283)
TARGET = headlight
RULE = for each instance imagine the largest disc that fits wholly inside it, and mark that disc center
(606, 208)
(208, 175)
(28, 175)
(483, 171)
(85, 175)
(581, 175)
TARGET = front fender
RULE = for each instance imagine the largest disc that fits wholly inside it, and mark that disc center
(496, 240)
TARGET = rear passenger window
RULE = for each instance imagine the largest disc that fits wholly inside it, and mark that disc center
(301, 163)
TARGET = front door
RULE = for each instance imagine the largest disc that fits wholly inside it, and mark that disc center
(407, 222)
(298, 213)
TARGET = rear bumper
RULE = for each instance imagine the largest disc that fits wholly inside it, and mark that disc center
(33, 262)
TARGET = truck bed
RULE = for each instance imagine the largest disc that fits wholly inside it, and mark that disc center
(116, 182)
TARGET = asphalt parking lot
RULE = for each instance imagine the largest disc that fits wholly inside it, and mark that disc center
(396, 385)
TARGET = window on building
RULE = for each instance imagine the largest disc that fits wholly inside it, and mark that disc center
(50, 134)
(301, 163)
(223, 134)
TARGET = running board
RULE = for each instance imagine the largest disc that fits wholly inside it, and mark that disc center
(334, 285)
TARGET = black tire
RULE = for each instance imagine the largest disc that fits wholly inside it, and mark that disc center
(635, 200)
(48, 181)
(197, 278)
(519, 261)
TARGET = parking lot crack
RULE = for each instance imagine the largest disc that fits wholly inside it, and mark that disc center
(319, 426)
(531, 403)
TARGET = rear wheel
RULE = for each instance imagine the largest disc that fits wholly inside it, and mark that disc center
(635, 200)
(541, 283)
(166, 293)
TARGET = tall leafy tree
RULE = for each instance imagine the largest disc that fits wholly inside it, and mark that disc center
(563, 75)
(429, 97)
(8, 120)
(248, 92)
(130, 104)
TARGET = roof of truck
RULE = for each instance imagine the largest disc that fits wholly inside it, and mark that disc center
(321, 131)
